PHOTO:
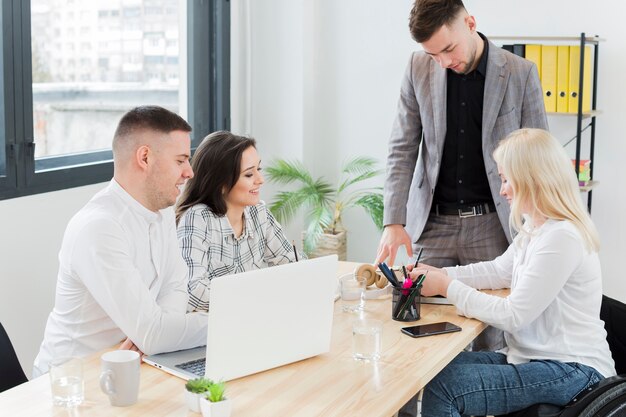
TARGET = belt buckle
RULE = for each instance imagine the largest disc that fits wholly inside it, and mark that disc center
(471, 213)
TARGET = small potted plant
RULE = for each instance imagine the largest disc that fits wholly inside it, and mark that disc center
(213, 403)
(194, 390)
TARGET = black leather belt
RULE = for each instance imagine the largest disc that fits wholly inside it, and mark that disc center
(469, 210)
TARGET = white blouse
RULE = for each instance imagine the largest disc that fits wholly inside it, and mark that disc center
(210, 248)
(553, 310)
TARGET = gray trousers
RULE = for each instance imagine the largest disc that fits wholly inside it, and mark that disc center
(450, 240)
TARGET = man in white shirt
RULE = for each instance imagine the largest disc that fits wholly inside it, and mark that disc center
(121, 275)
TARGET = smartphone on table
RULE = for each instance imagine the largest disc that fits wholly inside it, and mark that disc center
(430, 329)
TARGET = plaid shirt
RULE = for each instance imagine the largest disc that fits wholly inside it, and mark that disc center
(209, 247)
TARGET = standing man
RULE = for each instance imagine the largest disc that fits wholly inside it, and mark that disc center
(121, 275)
(458, 99)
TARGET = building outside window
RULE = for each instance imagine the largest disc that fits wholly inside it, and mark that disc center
(77, 107)
(70, 69)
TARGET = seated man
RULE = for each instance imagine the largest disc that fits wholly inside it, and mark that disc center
(121, 274)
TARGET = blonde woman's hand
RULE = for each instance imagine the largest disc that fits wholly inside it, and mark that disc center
(436, 280)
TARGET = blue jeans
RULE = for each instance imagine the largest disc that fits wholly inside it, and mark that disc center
(483, 383)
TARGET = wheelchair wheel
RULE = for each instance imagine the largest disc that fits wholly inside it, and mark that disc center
(611, 403)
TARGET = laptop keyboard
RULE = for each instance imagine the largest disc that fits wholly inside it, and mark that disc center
(196, 367)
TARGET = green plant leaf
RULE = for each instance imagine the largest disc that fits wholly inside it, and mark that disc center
(359, 165)
(320, 218)
(373, 204)
(357, 194)
(216, 392)
(287, 203)
(364, 176)
(357, 170)
(286, 172)
(198, 385)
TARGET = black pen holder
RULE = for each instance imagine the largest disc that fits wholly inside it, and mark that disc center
(405, 304)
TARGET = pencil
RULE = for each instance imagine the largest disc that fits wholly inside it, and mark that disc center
(421, 280)
(295, 252)
(419, 255)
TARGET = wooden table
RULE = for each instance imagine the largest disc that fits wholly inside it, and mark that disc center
(327, 385)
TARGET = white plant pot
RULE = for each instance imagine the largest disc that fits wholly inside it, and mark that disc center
(193, 401)
(219, 409)
(330, 244)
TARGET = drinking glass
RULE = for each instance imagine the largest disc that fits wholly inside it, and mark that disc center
(66, 382)
(352, 293)
(367, 339)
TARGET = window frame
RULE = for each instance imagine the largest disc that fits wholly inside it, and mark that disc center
(208, 100)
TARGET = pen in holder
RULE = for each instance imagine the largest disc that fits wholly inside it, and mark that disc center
(405, 304)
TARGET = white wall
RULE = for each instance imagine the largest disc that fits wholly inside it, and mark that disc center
(32, 229)
(351, 59)
(324, 80)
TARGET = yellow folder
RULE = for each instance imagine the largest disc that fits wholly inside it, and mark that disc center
(533, 53)
(562, 78)
(574, 77)
(548, 76)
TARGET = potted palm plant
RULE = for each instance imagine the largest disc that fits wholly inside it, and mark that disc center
(324, 232)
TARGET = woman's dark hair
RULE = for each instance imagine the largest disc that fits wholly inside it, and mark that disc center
(217, 166)
(428, 16)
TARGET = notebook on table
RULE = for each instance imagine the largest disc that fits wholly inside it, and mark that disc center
(435, 299)
(284, 312)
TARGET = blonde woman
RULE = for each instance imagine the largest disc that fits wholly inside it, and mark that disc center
(556, 341)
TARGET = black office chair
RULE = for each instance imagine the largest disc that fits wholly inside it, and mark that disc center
(607, 398)
(11, 373)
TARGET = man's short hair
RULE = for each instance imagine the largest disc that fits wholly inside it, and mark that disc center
(428, 16)
(144, 118)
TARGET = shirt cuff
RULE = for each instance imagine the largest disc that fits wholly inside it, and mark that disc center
(451, 271)
(456, 289)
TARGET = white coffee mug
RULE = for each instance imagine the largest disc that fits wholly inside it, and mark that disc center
(120, 376)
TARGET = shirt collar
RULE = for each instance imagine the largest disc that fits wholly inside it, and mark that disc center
(482, 64)
(248, 228)
(133, 204)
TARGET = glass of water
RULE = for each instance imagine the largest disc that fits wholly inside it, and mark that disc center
(352, 293)
(66, 381)
(367, 339)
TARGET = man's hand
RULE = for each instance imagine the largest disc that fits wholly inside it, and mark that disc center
(393, 237)
(129, 345)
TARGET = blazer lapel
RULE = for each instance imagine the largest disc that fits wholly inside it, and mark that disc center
(495, 86)
(439, 92)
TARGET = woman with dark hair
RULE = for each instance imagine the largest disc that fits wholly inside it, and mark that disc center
(223, 226)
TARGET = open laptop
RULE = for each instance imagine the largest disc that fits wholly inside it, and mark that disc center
(261, 319)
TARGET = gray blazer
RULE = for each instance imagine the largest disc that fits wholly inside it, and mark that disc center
(513, 99)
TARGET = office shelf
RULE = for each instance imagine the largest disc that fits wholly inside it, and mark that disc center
(585, 115)
(589, 40)
(590, 186)
(582, 41)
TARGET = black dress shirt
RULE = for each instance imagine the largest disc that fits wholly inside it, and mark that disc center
(462, 177)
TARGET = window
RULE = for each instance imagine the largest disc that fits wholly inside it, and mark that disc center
(61, 103)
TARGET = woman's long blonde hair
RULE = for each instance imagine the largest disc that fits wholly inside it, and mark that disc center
(543, 178)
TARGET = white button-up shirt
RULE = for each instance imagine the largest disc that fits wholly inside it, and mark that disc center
(120, 275)
(553, 311)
